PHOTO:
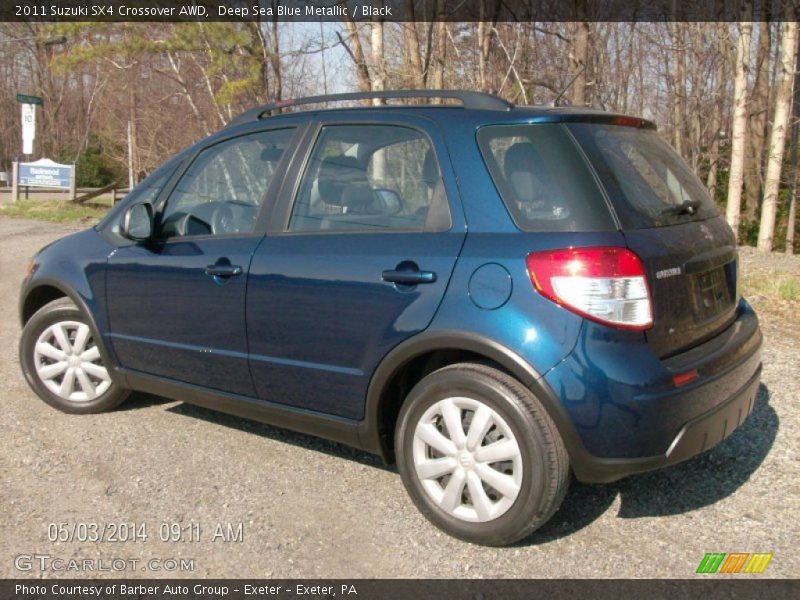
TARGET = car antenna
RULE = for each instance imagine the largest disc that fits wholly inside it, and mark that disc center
(569, 84)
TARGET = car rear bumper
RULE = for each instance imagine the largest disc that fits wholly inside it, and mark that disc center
(625, 415)
(697, 436)
(709, 429)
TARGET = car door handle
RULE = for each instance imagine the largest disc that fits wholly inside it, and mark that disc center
(408, 277)
(223, 270)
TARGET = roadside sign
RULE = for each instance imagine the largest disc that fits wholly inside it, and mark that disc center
(28, 127)
(45, 173)
(26, 99)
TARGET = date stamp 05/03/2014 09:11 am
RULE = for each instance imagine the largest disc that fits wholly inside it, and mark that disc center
(139, 532)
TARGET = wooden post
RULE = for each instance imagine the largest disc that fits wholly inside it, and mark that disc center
(72, 179)
(15, 181)
(114, 196)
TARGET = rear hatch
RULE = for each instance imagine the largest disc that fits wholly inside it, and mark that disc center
(670, 221)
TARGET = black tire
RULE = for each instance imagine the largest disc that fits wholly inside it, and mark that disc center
(545, 464)
(57, 311)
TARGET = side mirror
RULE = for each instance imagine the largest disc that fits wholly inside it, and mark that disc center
(137, 222)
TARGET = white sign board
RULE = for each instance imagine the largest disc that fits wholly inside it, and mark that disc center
(45, 173)
(28, 127)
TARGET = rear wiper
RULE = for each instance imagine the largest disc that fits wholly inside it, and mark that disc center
(687, 207)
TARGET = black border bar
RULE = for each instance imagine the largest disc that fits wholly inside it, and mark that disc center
(396, 10)
(708, 587)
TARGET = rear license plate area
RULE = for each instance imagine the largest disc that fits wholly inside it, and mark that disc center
(712, 293)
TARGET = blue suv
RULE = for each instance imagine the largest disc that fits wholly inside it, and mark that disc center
(493, 297)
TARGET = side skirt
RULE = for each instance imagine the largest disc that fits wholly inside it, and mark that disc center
(337, 429)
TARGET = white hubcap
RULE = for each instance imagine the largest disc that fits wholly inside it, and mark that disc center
(467, 459)
(68, 362)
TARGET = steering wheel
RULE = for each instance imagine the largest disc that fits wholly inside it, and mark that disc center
(223, 220)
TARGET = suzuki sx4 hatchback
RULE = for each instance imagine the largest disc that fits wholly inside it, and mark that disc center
(495, 298)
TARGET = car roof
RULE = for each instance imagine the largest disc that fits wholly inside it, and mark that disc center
(478, 107)
(457, 114)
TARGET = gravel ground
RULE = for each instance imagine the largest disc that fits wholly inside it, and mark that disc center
(311, 508)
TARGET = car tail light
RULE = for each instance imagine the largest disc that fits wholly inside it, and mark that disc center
(605, 284)
(684, 378)
(628, 121)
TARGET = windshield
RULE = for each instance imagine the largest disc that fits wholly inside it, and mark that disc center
(648, 183)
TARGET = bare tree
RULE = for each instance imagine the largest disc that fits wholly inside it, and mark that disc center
(792, 220)
(440, 55)
(191, 78)
(487, 29)
(780, 125)
(378, 58)
(579, 58)
(720, 79)
(412, 45)
(739, 127)
(355, 49)
(757, 122)
(679, 86)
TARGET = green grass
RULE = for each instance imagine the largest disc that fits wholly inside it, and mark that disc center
(58, 211)
(789, 288)
(778, 285)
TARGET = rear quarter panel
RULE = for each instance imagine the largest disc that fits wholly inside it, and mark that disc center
(533, 327)
(536, 329)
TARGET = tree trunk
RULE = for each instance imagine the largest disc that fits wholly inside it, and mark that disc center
(378, 60)
(259, 45)
(719, 105)
(440, 51)
(411, 37)
(578, 59)
(483, 51)
(357, 54)
(679, 87)
(780, 124)
(739, 127)
(757, 125)
(133, 160)
(695, 148)
(792, 220)
(275, 56)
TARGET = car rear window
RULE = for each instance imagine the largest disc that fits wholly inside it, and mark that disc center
(543, 180)
(648, 183)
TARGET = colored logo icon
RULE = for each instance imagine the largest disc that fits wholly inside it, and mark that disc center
(736, 562)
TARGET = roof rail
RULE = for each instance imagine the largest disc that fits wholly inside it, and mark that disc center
(475, 100)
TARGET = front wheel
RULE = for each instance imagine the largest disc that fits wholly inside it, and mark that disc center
(62, 361)
(479, 455)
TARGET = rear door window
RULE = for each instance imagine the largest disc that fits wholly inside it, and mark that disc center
(648, 183)
(542, 178)
(371, 178)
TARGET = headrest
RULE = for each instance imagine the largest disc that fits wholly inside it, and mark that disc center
(523, 169)
(337, 173)
(430, 170)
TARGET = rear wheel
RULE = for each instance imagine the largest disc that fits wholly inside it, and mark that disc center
(62, 361)
(479, 455)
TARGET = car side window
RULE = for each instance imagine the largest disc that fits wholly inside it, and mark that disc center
(223, 189)
(371, 178)
(542, 178)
